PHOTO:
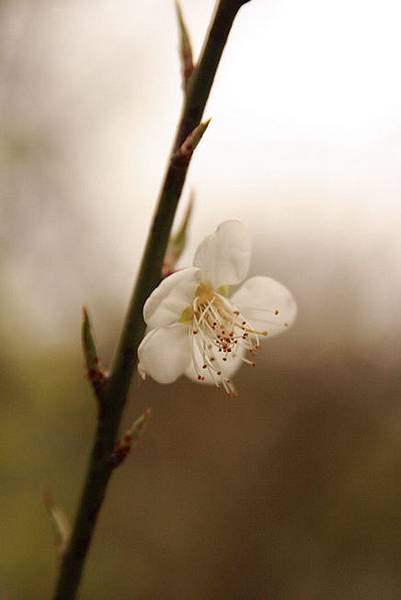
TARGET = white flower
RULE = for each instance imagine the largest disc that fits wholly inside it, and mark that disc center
(195, 329)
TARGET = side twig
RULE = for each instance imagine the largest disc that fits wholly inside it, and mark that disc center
(114, 390)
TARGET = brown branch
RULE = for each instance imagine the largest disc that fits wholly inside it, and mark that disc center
(114, 394)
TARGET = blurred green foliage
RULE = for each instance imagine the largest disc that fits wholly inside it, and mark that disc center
(290, 491)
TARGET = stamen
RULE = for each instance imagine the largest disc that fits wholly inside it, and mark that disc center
(219, 330)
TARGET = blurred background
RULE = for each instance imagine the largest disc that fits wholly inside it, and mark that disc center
(293, 490)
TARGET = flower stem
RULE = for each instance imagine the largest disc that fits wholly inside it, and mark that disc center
(114, 394)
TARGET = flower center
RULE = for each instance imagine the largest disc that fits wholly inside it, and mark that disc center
(220, 334)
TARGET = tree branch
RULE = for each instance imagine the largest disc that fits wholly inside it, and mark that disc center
(114, 394)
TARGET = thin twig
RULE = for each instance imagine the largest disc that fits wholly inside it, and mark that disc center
(116, 388)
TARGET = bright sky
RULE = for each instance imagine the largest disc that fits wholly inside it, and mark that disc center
(305, 139)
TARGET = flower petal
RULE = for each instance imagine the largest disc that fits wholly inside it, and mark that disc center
(224, 256)
(167, 302)
(227, 368)
(267, 304)
(165, 353)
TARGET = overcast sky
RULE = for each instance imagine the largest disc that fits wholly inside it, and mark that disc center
(304, 144)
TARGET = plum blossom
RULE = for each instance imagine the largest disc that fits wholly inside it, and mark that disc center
(196, 328)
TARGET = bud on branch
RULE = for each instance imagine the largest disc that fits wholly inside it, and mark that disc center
(186, 149)
(132, 435)
(95, 374)
(187, 64)
(178, 241)
(59, 521)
